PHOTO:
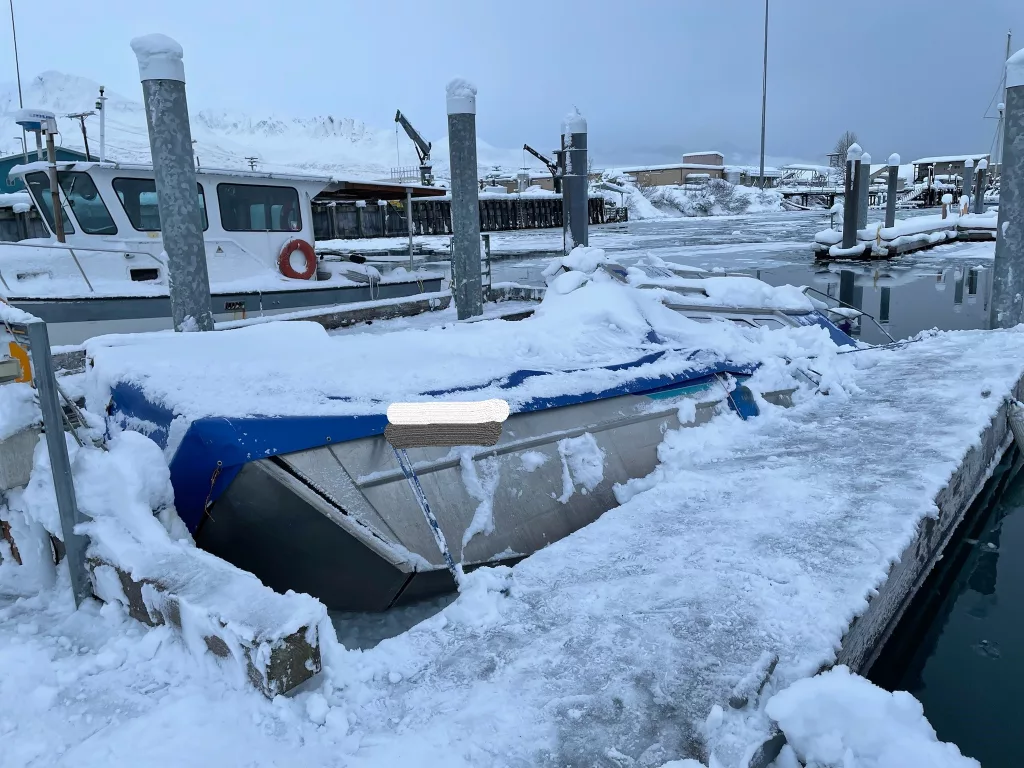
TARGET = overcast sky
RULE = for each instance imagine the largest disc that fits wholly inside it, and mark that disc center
(653, 77)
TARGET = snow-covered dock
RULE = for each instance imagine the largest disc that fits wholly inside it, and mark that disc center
(878, 241)
(799, 534)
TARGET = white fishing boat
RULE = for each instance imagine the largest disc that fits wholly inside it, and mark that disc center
(110, 275)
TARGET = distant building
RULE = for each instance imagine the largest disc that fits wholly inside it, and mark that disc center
(750, 175)
(947, 166)
(9, 161)
(708, 157)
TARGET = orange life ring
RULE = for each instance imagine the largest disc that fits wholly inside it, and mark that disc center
(284, 261)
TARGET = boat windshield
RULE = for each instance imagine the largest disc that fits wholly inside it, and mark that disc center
(86, 203)
(38, 184)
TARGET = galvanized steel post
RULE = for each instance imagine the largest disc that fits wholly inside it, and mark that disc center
(979, 192)
(891, 190)
(1008, 270)
(75, 545)
(170, 139)
(466, 279)
(968, 181)
(863, 182)
(575, 186)
(850, 196)
(408, 221)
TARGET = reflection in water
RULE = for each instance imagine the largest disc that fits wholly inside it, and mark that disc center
(904, 300)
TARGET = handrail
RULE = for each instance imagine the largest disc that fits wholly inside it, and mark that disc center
(65, 246)
(79, 265)
(850, 306)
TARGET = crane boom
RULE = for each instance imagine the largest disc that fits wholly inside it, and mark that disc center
(422, 146)
(550, 165)
(553, 167)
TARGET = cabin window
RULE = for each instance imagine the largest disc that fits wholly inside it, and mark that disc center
(86, 203)
(39, 185)
(138, 198)
(252, 208)
(768, 322)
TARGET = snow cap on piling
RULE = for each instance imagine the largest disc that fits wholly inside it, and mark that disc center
(461, 97)
(1000, 106)
(894, 160)
(1015, 70)
(865, 159)
(574, 122)
(159, 58)
(969, 162)
(982, 164)
(854, 152)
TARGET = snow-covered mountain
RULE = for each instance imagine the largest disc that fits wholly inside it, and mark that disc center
(324, 144)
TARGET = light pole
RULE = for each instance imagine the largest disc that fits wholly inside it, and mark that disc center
(764, 88)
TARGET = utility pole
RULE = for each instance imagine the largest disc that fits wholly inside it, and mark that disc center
(764, 88)
(80, 117)
(252, 162)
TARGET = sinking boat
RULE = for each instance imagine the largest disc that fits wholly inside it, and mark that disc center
(321, 504)
(110, 276)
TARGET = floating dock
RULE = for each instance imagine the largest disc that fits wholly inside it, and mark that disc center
(802, 534)
(907, 236)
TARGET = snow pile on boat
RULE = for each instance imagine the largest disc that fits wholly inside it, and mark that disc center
(839, 718)
(589, 322)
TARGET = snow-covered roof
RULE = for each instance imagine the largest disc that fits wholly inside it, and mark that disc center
(754, 170)
(703, 152)
(669, 167)
(19, 201)
(75, 165)
(328, 184)
(950, 159)
(823, 169)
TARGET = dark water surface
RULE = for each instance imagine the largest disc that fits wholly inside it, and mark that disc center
(960, 648)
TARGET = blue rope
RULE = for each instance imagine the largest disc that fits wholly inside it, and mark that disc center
(421, 498)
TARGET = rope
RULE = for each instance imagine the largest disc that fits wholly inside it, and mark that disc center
(421, 499)
(206, 502)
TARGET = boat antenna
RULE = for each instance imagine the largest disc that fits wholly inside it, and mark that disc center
(17, 69)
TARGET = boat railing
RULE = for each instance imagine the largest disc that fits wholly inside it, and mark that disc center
(87, 249)
(809, 289)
